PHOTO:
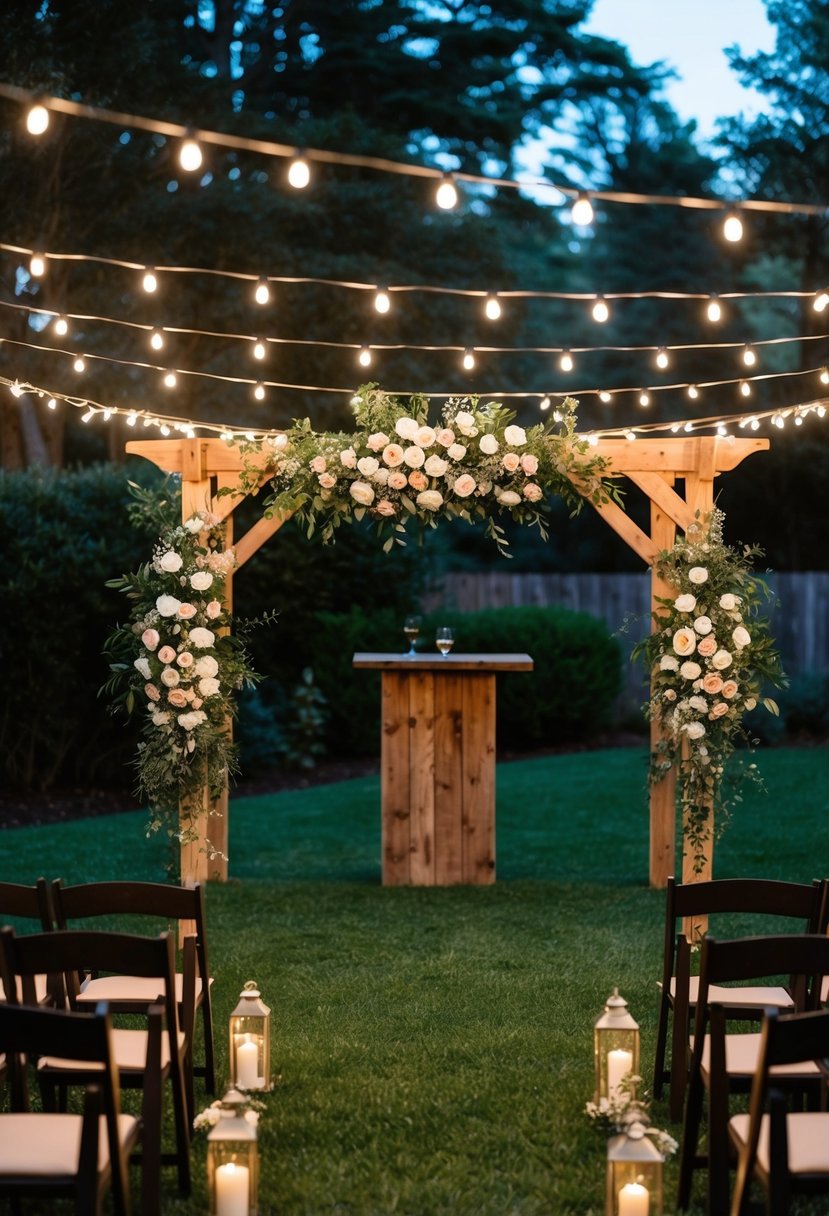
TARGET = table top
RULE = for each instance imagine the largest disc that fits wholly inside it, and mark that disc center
(436, 662)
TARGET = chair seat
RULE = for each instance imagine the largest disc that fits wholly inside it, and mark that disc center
(124, 989)
(41, 990)
(48, 1145)
(129, 1049)
(742, 998)
(808, 1139)
(741, 1055)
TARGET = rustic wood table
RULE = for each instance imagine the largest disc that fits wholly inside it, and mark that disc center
(438, 765)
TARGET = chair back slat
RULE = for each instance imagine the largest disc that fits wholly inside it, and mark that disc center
(27, 902)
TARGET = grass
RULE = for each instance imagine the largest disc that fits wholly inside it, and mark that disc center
(435, 1045)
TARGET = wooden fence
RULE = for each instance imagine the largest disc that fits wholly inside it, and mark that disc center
(799, 611)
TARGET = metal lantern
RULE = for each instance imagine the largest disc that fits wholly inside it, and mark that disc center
(615, 1048)
(634, 1174)
(250, 1041)
(233, 1160)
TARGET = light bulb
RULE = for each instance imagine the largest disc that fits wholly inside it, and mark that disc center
(732, 228)
(446, 195)
(662, 359)
(364, 356)
(259, 350)
(755, 424)
(149, 281)
(693, 392)
(824, 376)
(262, 294)
(61, 327)
(382, 300)
(52, 404)
(601, 312)
(721, 431)
(581, 212)
(259, 392)
(37, 120)
(132, 418)
(79, 364)
(170, 380)
(821, 300)
(107, 414)
(689, 426)
(798, 420)
(779, 421)
(593, 440)
(157, 340)
(745, 388)
(714, 309)
(566, 361)
(630, 436)
(299, 173)
(37, 265)
(821, 411)
(468, 360)
(492, 307)
(90, 413)
(644, 399)
(749, 356)
(544, 403)
(605, 397)
(190, 156)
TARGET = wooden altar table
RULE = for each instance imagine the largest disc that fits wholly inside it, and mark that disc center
(438, 765)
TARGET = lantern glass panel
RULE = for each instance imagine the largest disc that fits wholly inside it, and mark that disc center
(250, 1065)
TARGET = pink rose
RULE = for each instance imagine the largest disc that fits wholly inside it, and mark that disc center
(529, 464)
(197, 702)
(533, 492)
(318, 464)
(384, 507)
(445, 437)
(712, 683)
(152, 692)
(362, 493)
(170, 677)
(393, 455)
(707, 646)
(187, 611)
(397, 481)
(327, 481)
(185, 659)
(418, 480)
(718, 710)
(511, 462)
(729, 689)
(166, 654)
(377, 441)
(177, 698)
(150, 638)
(348, 458)
(213, 609)
(464, 485)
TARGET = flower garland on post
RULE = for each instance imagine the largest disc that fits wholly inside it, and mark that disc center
(395, 468)
(710, 655)
(178, 665)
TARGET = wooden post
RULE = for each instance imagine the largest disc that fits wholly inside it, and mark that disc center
(663, 793)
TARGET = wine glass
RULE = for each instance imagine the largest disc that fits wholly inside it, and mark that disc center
(444, 640)
(411, 628)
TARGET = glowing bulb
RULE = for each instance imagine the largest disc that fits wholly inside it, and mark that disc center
(132, 418)
(382, 300)
(259, 350)
(79, 364)
(90, 413)
(190, 156)
(605, 397)
(601, 312)
(779, 421)
(693, 392)
(721, 430)
(824, 376)
(170, 380)
(149, 281)
(492, 307)
(446, 195)
(37, 120)
(544, 403)
(364, 356)
(61, 327)
(468, 360)
(566, 361)
(107, 414)
(37, 265)
(714, 309)
(732, 228)
(299, 173)
(798, 420)
(157, 340)
(630, 436)
(644, 399)
(52, 404)
(745, 388)
(689, 426)
(821, 300)
(582, 211)
(165, 430)
(593, 440)
(755, 424)
(259, 392)
(662, 359)
(262, 294)
(749, 356)
(821, 411)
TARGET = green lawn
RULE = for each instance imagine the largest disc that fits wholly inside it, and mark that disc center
(435, 1045)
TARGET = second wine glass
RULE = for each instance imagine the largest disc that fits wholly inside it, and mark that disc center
(444, 640)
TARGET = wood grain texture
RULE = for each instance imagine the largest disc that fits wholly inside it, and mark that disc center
(394, 780)
(449, 742)
(421, 686)
(479, 779)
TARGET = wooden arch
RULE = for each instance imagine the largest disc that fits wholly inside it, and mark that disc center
(207, 466)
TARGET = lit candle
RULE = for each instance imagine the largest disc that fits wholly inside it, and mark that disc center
(634, 1200)
(247, 1073)
(619, 1064)
(232, 1189)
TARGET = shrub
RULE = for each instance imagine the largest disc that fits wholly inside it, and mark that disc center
(805, 704)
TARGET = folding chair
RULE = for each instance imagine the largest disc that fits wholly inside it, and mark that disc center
(724, 1063)
(145, 899)
(29, 903)
(726, 896)
(151, 958)
(77, 1156)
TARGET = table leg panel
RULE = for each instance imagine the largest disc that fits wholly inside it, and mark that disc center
(448, 779)
(422, 778)
(394, 780)
(479, 779)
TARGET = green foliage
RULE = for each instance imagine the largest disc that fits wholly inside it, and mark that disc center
(804, 705)
(304, 724)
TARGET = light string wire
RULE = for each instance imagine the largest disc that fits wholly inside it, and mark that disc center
(270, 148)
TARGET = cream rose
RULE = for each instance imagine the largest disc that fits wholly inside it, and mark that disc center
(699, 704)
(721, 660)
(685, 603)
(445, 437)
(194, 524)
(142, 666)
(418, 480)
(488, 445)
(192, 720)
(393, 455)
(362, 493)
(406, 428)
(435, 466)
(368, 466)
(377, 441)
(425, 437)
(152, 692)
(170, 562)
(186, 612)
(729, 689)
(511, 461)
(177, 698)
(150, 638)
(750, 703)
(414, 457)
(464, 420)
(381, 477)
(668, 663)
(703, 625)
(718, 710)
(319, 464)
(698, 575)
(201, 580)
(429, 500)
(213, 609)
(694, 730)
(712, 683)
(167, 605)
(533, 492)
(509, 498)
(185, 659)
(397, 480)
(464, 485)
(529, 464)
(384, 507)
(669, 694)
(170, 677)
(166, 654)
(327, 482)
(728, 601)
(515, 436)
(690, 670)
(456, 451)
(208, 686)
(707, 646)
(685, 641)
(348, 458)
(206, 665)
(161, 717)
(201, 638)
(741, 637)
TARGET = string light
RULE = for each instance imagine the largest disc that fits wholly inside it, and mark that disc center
(364, 357)
(37, 120)
(382, 300)
(170, 379)
(259, 392)
(644, 398)
(492, 307)
(468, 360)
(132, 418)
(662, 359)
(61, 326)
(600, 311)
(150, 281)
(157, 340)
(90, 413)
(605, 397)
(630, 436)
(79, 365)
(824, 376)
(299, 172)
(581, 212)
(821, 300)
(37, 265)
(259, 350)
(544, 403)
(190, 155)
(566, 361)
(52, 404)
(713, 310)
(745, 388)
(732, 228)
(446, 195)
(749, 356)
(262, 294)
(693, 392)
(689, 426)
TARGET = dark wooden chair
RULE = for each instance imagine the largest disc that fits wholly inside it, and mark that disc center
(47, 1155)
(74, 951)
(183, 906)
(724, 1062)
(748, 897)
(31, 904)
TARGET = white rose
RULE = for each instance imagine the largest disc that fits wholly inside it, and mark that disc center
(362, 493)
(143, 666)
(377, 441)
(668, 663)
(167, 605)
(170, 677)
(348, 458)
(741, 637)
(191, 720)
(194, 524)
(488, 445)
(406, 428)
(702, 625)
(694, 730)
(685, 603)
(508, 498)
(429, 500)
(425, 437)
(464, 420)
(728, 601)
(435, 466)
(368, 466)
(699, 704)
(393, 455)
(201, 638)
(414, 457)
(690, 670)
(201, 580)
(161, 717)
(698, 574)
(170, 561)
(208, 686)
(456, 451)
(721, 660)
(515, 436)
(685, 641)
(446, 437)
(464, 485)
(206, 666)
(750, 703)
(381, 477)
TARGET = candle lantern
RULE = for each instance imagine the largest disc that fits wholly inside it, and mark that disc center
(233, 1160)
(615, 1048)
(634, 1174)
(250, 1041)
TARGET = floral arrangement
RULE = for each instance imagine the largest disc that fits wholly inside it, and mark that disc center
(710, 655)
(177, 664)
(623, 1110)
(249, 1108)
(396, 467)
